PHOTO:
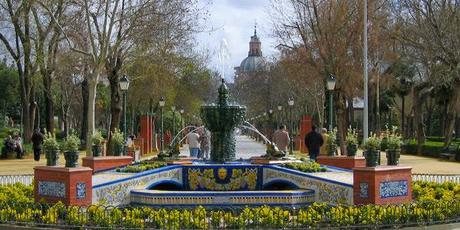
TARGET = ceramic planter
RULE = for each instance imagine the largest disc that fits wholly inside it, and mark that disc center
(393, 156)
(118, 150)
(51, 157)
(71, 159)
(371, 157)
(332, 148)
(97, 150)
(352, 149)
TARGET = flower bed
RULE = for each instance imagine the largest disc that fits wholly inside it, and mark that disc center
(308, 167)
(143, 166)
(17, 208)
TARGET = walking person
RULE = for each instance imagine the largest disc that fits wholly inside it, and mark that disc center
(281, 138)
(324, 147)
(37, 140)
(194, 143)
(204, 144)
(18, 146)
(313, 141)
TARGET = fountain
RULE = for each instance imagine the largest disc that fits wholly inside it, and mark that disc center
(221, 120)
(222, 182)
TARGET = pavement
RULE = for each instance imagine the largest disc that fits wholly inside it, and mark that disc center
(245, 148)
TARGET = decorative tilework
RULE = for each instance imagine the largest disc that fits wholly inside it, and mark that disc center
(51, 188)
(222, 179)
(393, 188)
(363, 190)
(118, 193)
(329, 192)
(81, 190)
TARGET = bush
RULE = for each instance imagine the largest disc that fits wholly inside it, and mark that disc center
(143, 166)
(97, 138)
(372, 143)
(430, 148)
(50, 143)
(308, 167)
(71, 144)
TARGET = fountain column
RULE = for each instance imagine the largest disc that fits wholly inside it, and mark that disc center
(221, 120)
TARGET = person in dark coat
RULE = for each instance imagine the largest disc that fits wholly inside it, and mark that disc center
(313, 141)
(37, 140)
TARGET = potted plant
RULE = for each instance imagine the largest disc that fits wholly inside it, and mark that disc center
(97, 141)
(394, 141)
(352, 142)
(372, 146)
(118, 142)
(70, 148)
(51, 149)
(331, 142)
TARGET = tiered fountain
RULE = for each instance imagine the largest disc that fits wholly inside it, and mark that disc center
(222, 182)
(221, 120)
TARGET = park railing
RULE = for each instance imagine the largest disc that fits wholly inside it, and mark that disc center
(12, 179)
(438, 178)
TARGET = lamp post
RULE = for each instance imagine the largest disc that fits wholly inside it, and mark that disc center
(330, 88)
(161, 103)
(124, 85)
(174, 121)
(291, 104)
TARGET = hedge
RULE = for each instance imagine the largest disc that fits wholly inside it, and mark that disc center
(429, 208)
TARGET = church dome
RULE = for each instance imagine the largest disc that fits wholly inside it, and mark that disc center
(252, 63)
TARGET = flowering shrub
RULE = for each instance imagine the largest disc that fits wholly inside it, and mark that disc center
(352, 137)
(308, 167)
(434, 202)
(143, 166)
(372, 143)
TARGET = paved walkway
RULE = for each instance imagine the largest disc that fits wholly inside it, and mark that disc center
(246, 148)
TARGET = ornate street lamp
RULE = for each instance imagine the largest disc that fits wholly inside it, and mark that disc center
(124, 86)
(161, 103)
(330, 87)
(291, 104)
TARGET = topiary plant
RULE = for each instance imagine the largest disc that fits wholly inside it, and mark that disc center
(118, 142)
(50, 142)
(97, 138)
(71, 144)
(51, 149)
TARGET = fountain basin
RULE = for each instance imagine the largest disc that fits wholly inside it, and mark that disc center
(158, 198)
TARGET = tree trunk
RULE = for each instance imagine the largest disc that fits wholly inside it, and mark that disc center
(92, 84)
(420, 93)
(452, 111)
(49, 104)
(113, 66)
(84, 121)
(351, 115)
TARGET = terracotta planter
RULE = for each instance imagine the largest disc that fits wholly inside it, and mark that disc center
(71, 159)
(371, 157)
(51, 157)
(352, 149)
(393, 156)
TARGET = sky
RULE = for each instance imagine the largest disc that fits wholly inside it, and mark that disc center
(231, 24)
